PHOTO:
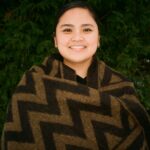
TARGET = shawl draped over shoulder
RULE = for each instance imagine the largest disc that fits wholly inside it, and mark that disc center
(50, 110)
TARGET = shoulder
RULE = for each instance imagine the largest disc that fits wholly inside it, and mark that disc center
(49, 65)
(110, 76)
(47, 68)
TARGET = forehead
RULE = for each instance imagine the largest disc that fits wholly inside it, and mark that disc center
(77, 15)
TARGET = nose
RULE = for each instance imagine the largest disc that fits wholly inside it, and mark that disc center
(77, 36)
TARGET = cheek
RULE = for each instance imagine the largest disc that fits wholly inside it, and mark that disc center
(62, 40)
(93, 40)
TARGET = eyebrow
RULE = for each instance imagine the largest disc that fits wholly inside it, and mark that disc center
(85, 25)
(66, 25)
(70, 25)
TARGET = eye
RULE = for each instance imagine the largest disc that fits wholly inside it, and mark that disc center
(87, 30)
(67, 30)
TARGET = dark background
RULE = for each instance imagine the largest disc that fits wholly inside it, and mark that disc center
(26, 28)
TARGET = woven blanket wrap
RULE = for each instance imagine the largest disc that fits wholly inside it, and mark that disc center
(50, 110)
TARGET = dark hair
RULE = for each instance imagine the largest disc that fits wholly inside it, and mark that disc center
(76, 4)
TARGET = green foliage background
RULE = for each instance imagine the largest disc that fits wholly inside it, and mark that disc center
(26, 29)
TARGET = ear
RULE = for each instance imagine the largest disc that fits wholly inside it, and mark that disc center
(55, 41)
(98, 44)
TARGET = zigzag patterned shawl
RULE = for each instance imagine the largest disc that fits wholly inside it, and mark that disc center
(50, 110)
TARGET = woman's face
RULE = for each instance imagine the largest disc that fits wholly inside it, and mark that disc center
(77, 36)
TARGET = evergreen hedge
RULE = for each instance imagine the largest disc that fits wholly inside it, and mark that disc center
(26, 30)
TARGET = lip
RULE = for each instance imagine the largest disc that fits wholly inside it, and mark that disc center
(77, 47)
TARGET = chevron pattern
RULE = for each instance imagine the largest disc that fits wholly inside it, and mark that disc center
(57, 114)
(51, 111)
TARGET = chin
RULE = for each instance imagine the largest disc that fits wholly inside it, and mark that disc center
(79, 60)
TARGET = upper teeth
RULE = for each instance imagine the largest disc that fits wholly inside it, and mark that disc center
(77, 46)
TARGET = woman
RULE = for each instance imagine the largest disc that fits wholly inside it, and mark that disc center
(73, 101)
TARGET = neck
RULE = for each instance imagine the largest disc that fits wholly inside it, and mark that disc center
(80, 68)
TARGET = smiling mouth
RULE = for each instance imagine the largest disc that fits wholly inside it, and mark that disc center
(77, 47)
